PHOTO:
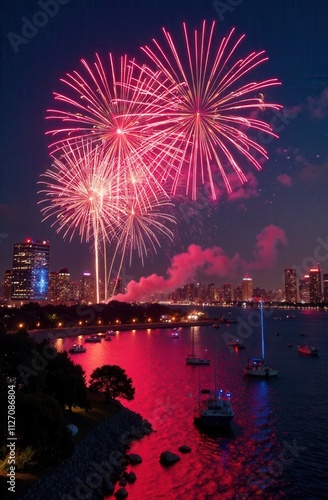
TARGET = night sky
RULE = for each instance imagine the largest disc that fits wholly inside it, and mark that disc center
(277, 220)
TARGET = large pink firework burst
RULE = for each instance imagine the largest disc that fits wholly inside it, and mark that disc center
(213, 99)
(117, 105)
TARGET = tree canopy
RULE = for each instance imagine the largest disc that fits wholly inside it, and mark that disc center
(112, 381)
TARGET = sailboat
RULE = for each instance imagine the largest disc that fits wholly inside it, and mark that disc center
(257, 366)
(192, 359)
(216, 410)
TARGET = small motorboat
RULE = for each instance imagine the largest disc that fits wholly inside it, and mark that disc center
(238, 344)
(175, 333)
(308, 349)
(77, 348)
(93, 338)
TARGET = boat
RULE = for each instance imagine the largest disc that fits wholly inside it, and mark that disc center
(257, 367)
(308, 349)
(192, 359)
(237, 343)
(290, 316)
(224, 321)
(175, 333)
(108, 338)
(216, 409)
(110, 333)
(77, 348)
(93, 338)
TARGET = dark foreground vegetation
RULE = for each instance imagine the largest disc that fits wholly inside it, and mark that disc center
(48, 389)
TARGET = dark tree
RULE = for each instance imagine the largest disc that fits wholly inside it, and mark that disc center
(112, 381)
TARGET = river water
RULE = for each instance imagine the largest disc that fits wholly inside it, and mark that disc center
(278, 443)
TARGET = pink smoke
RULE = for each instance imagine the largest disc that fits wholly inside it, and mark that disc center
(285, 180)
(212, 261)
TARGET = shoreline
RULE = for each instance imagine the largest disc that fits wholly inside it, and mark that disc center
(57, 333)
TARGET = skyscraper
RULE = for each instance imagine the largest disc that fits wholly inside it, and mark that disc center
(290, 285)
(304, 288)
(88, 289)
(227, 293)
(325, 287)
(247, 288)
(315, 285)
(7, 285)
(30, 273)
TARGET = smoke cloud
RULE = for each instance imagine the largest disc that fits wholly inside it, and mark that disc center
(211, 261)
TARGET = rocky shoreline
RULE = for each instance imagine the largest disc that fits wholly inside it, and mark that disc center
(98, 462)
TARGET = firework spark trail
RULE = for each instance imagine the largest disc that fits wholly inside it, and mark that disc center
(80, 192)
(141, 229)
(209, 101)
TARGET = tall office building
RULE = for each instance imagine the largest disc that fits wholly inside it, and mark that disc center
(115, 287)
(7, 285)
(238, 294)
(315, 285)
(304, 288)
(64, 278)
(88, 289)
(53, 293)
(290, 285)
(247, 288)
(325, 287)
(30, 273)
(227, 293)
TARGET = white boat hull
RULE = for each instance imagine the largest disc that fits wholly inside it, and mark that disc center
(261, 372)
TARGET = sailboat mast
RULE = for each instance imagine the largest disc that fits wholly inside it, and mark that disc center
(215, 368)
(262, 329)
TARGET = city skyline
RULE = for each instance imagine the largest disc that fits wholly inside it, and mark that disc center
(32, 279)
(274, 221)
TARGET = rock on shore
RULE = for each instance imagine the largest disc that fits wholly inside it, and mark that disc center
(97, 462)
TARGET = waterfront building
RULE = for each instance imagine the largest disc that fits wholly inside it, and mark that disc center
(238, 294)
(304, 288)
(315, 285)
(88, 289)
(30, 272)
(7, 282)
(53, 294)
(290, 285)
(325, 287)
(247, 288)
(227, 293)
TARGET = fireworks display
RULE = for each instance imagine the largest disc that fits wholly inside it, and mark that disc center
(127, 136)
(211, 104)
